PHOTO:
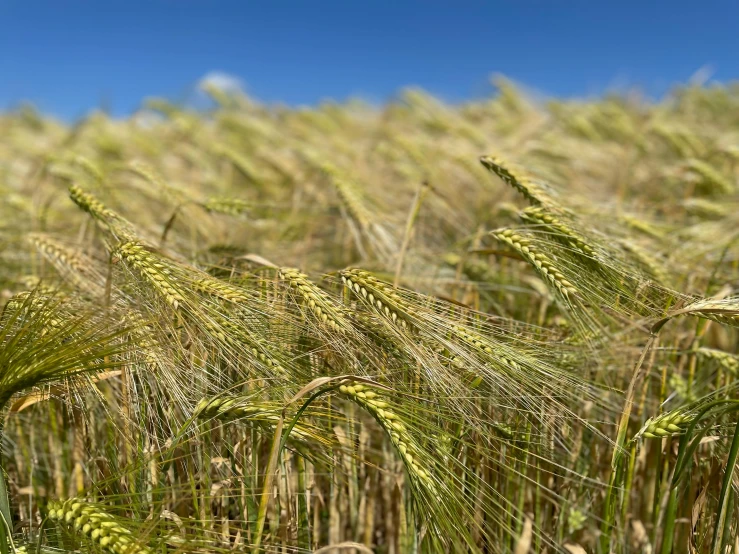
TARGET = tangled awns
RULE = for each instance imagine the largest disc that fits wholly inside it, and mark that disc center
(499, 326)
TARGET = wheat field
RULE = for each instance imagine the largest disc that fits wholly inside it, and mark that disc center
(506, 325)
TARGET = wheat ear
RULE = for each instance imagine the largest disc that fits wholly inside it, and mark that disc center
(541, 262)
(380, 295)
(392, 424)
(543, 216)
(320, 303)
(533, 191)
(97, 525)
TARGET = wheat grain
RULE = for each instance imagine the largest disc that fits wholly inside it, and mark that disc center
(380, 296)
(90, 168)
(727, 361)
(381, 410)
(240, 162)
(152, 268)
(724, 311)
(94, 523)
(474, 269)
(541, 262)
(105, 217)
(646, 260)
(538, 214)
(350, 197)
(668, 424)
(321, 304)
(221, 289)
(711, 176)
(228, 206)
(533, 191)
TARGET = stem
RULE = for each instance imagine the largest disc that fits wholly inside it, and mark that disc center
(616, 473)
(5, 525)
(278, 443)
(688, 444)
(668, 532)
(5, 530)
(168, 225)
(267, 486)
(629, 483)
(718, 534)
(412, 215)
(303, 516)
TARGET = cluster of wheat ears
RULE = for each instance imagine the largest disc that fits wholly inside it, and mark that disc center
(499, 326)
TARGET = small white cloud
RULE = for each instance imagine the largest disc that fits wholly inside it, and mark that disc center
(221, 80)
(702, 75)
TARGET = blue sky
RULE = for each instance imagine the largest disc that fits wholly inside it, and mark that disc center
(68, 56)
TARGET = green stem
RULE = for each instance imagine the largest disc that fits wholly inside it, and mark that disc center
(415, 208)
(629, 483)
(303, 517)
(267, 486)
(668, 532)
(5, 525)
(718, 534)
(616, 469)
(688, 445)
(278, 443)
(5, 529)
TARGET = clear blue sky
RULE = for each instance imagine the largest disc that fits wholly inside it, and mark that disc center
(68, 56)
